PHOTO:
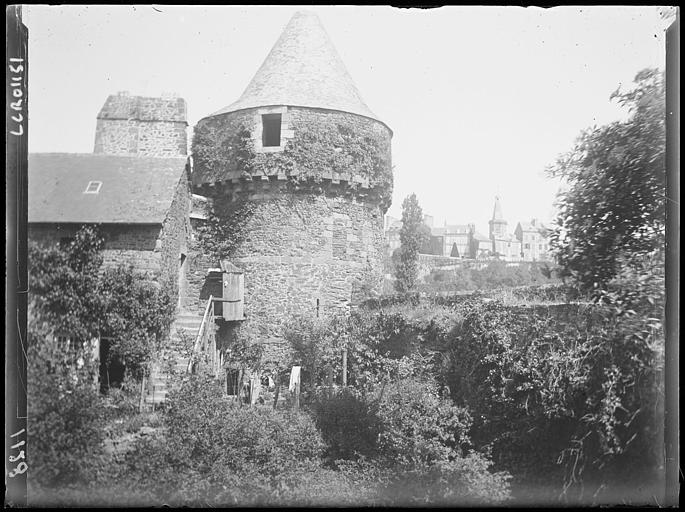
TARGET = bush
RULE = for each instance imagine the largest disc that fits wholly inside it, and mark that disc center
(348, 424)
(138, 314)
(565, 399)
(410, 441)
(215, 452)
(65, 426)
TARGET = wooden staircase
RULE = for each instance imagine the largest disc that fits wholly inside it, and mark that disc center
(172, 362)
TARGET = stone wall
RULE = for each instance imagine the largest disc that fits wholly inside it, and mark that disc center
(299, 248)
(150, 248)
(173, 238)
(127, 244)
(430, 262)
(142, 138)
(313, 234)
(319, 145)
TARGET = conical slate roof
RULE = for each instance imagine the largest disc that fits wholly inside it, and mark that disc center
(303, 69)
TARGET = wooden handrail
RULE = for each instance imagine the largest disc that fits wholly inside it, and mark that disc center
(200, 333)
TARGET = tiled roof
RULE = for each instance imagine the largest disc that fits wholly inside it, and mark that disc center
(134, 190)
(303, 69)
(123, 106)
(481, 238)
(538, 228)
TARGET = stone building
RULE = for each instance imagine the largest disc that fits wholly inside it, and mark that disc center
(137, 125)
(504, 245)
(534, 239)
(140, 203)
(305, 167)
(456, 239)
(392, 233)
(480, 246)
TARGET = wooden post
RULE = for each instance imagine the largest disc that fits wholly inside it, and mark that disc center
(239, 387)
(277, 383)
(329, 380)
(297, 395)
(142, 394)
(344, 368)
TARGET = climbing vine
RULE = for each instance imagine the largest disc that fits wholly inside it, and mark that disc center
(226, 227)
(323, 142)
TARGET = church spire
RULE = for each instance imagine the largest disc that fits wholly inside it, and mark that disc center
(498, 226)
(303, 69)
(497, 211)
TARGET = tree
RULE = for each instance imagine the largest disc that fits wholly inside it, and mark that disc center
(64, 285)
(614, 211)
(72, 295)
(412, 237)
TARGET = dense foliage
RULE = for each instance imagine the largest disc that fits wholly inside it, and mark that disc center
(614, 208)
(214, 452)
(64, 417)
(136, 316)
(225, 228)
(322, 143)
(413, 441)
(565, 397)
(496, 274)
(412, 238)
(76, 298)
(64, 285)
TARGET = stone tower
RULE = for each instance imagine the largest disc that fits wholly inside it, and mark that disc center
(136, 125)
(306, 168)
(498, 226)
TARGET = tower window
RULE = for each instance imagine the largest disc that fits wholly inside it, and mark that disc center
(93, 187)
(271, 130)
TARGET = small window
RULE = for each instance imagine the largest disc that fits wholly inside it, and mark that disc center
(527, 246)
(93, 187)
(271, 130)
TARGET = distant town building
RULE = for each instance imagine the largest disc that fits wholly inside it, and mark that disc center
(505, 246)
(529, 242)
(457, 240)
(392, 233)
(480, 246)
(534, 239)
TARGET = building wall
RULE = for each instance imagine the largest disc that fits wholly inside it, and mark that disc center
(298, 248)
(150, 248)
(319, 146)
(534, 246)
(127, 244)
(325, 248)
(142, 138)
(462, 241)
(509, 249)
(173, 239)
(315, 230)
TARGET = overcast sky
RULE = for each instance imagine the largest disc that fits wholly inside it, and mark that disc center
(480, 99)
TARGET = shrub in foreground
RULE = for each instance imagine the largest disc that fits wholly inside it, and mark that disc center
(412, 442)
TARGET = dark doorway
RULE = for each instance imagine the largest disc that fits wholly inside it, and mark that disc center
(233, 381)
(111, 372)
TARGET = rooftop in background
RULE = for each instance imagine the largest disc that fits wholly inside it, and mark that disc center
(134, 190)
(303, 69)
(534, 226)
(141, 108)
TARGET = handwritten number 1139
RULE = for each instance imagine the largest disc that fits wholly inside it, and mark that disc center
(22, 466)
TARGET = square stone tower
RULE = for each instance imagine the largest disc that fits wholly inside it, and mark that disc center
(141, 126)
